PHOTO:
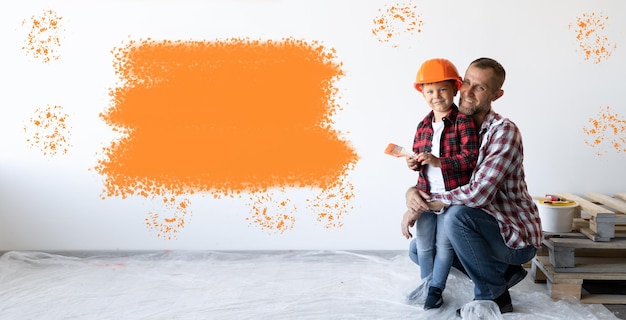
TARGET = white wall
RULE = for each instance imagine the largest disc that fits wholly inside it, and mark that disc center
(54, 202)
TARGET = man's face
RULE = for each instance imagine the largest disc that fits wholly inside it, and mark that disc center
(439, 95)
(477, 91)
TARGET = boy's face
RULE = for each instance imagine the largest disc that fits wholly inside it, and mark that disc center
(439, 95)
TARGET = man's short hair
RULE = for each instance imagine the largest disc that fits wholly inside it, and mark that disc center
(498, 69)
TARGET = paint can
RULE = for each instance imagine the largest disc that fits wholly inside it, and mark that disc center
(558, 217)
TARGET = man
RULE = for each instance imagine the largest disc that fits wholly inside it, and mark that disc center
(492, 222)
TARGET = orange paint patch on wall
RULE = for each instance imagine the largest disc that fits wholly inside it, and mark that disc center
(48, 131)
(607, 131)
(43, 39)
(224, 117)
(396, 20)
(590, 34)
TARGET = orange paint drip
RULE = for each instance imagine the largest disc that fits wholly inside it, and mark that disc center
(43, 39)
(224, 117)
(169, 227)
(609, 128)
(590, 34)
(47, 130)
(396, 20)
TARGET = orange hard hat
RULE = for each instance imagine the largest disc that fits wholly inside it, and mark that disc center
(436, 70)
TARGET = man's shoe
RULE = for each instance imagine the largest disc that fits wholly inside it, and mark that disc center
(504, 302)
(434, 299)
(514, 274)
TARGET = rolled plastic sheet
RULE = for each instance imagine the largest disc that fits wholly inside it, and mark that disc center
(243, 285)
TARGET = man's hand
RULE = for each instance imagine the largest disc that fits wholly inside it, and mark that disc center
(408, 221)
(419, 201)
(415, 207)
(416, 200)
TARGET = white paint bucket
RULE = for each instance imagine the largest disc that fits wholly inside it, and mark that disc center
(558, 217)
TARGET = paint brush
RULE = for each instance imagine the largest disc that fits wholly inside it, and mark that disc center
(398, 151)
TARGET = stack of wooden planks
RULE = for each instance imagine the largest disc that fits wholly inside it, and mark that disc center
(596, 250)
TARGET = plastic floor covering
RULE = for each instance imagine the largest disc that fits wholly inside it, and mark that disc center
(243, 285)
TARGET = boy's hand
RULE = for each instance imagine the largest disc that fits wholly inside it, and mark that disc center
(427, 158)
(412, 163)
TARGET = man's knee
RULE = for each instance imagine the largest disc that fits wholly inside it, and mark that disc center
(452, 216)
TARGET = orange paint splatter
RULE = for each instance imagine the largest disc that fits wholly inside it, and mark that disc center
(168, 227)
(592, 42)
(396, 20)
(333, 203)
(43, 39)
(225, 117)
(607, 127)
(109, 265)
(270, 213)
(47, 130)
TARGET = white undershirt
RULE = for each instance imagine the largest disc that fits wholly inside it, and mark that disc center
(435, 177)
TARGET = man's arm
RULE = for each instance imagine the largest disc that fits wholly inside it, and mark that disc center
(420, 201)
(416, 202)
(502, 155)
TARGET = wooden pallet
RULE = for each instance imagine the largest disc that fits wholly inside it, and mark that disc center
(606, 214)
(567, 260)
(569, 285)
(565, 250)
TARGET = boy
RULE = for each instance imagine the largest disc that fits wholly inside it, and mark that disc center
(446, 149)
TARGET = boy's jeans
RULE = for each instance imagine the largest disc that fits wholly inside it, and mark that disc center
(434, 252)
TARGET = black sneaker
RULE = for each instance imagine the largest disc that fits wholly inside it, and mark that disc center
(504, 302)
(434, 299)
(514, 274)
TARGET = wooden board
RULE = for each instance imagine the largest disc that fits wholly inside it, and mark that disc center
(568, 285)
(619, 206)
(605, 215)
(565, 251)
(616, 243)
(586, 205)
(581, 225)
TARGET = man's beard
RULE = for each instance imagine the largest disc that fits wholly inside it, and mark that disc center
(468, 111)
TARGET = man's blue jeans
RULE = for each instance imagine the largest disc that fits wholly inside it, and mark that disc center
(475, 236)
(433, 249)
